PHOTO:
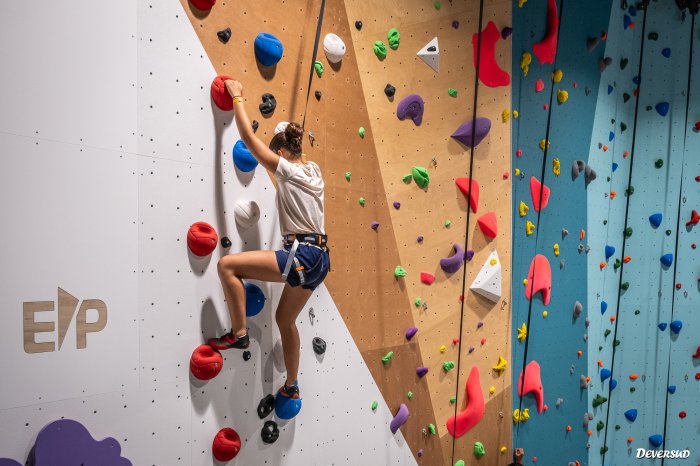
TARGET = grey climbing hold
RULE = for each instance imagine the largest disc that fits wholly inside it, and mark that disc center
(572, 369)
(564, 233)
(389, 90)
(270, 433)
(589, 174)
(583, 382)
(578, 309)
(224, 35)
(246, 355)
(319, 345)
(225, 242)
(268, 104)
(604, 63)
(317, 94)
(591, 43)
(576, 168)
(580, 248)
(562, 263)
(585, 337)
(255, 125)
(266, 406)
(560, 401)
(358, 25)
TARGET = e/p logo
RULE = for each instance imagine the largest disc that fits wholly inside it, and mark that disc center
(67, 307)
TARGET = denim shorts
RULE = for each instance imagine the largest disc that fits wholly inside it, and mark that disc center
(316, 263)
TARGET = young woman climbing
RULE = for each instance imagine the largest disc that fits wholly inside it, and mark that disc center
(301, 264)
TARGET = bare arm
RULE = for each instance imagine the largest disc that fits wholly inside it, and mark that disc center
(259, 149)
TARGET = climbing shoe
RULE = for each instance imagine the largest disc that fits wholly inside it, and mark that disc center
(229, 341)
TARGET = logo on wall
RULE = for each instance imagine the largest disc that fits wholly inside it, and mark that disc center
(67, 310)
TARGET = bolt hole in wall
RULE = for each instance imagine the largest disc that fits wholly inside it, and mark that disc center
(406, 347)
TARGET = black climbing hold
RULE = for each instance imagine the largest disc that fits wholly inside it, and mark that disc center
(266, 406)
(246, 355)
(268, 104)
(270, 433)
(225, 242)
(358, 25)
(255, 125)
(319, 345)
(432, 49)
(224, 35)
(317, 94)
(389, 90)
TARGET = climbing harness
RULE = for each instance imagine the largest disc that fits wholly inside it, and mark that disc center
(310, 239)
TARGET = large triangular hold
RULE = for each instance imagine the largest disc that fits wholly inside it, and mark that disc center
(537, 189)
(430, 54)
(472, 197)
(488, 281)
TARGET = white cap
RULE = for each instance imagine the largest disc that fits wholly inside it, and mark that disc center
(334, 48)
(281, 126)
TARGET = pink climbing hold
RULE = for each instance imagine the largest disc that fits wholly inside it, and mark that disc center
(546, 49)
(539, 191)
(490, 73)
(474, 411)
(473, 196)
(533, 384)
(488, 224)
(539, 85)
(542, 281)
(427, 278)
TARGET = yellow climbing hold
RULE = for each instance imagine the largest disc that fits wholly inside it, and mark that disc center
(521, 416)
(517, 172)
(522, 332)
(544, 142)
(443, 348)
(557, 75)
(492, 389)
(525, 281)
(515, 114)
(529, 227)
(544, 314)
(493, 261)
(525, 60)
(501, 365)
(503, 449)
(523, 209)
(556, 249)
(505, 116)
(556, 167)
(521, 3)
(562, 96)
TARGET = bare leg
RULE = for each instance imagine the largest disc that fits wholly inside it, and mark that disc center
(256, 265)
(291, 303)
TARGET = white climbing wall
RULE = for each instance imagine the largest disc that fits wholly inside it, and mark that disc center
(110, 150)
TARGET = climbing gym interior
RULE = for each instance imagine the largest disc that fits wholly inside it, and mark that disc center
(510, 200)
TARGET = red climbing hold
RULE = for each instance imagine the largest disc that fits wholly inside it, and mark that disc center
(201, 239)
(697, 126)
(489, 72)
(220, 95)
(427, 278)
(535, 188)
(226, 445)
(473, 197)
(488, 224)
(206, 362)
(682, 415)
(542, 281)
(204, 5)
(694, 219)
(533, 384)
(546, 49)
(474, 411)
(697, 353)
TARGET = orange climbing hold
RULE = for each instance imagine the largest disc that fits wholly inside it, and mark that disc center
(633, 376)
(583, 234)
(630, 439)
(613, 194)
(605, 148)
(546, 49)
(427, 278)
(568, 428)
(624, 156)
(488, 224)
(540, 282)
(465, 184)
(626, 259)
(612, 319)
(579, 353)
(600, 363)
(602, 265)
(474, 411)
(539, 191)
(532, 384)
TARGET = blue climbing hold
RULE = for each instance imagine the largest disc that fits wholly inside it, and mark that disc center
(268, 49)
(666, 52)
(671, 389)
(603, 307)
(614, 166)
(285, 407)
(613, 384)
(662, 108)
(636, 80)
(631, 415)
(254, 300)
(656, 440)
(667, 259)
(604, 374)
(676, 326)
(632, 10)
(627, 21)
(610, 89)
(242, 157)
(609, 251)
(662, 326)
(655, 219)
(611, 136)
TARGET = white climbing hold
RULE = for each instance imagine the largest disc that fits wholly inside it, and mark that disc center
(246, 213)
(488, 281)
(281, 126)
(334, 48)
(430, 54)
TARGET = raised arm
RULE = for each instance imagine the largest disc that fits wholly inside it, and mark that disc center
(259, 149)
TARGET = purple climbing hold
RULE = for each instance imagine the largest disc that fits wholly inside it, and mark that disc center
(420, 238)
(375, 225)
(479, 324)
(400, 418)
(420, 452)
(453, 263)
(464, 134)
(470, 254)
(397, 205)
(471, 349)
(421, 371)
(506, 32)
(9, 462)
(455, 24)
(411, 106)
(410, 332)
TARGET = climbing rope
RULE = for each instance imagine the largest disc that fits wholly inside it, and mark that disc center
(313, 58)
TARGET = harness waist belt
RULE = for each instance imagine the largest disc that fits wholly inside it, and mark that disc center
(312, 238)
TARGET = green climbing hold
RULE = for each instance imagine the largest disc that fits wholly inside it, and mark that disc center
(603, 450)
(618, 264)
(607, 332)
(418, 302)
(410, 394)
(399, 271)
(629, 191)
(479, 450)
(362, 201)
(617, 427)
(623, 63)
(626, 97)
(407, 178)
(628, 232)
(347, 176)
(648, 108)
(437, 5)
(361, 131)
(448, 366)
(598, 400)
(459, 463)
(421, 177)
(387, 357)
(394, 38)
(659, 163)
(374, 405)
(653, 36)
(452, 91)
(623, 127)
(668, 232)
(633, 389)
(453, 400)
(448, 223)
(605, 222)
(431, 428)
(616, 343)
(625, 286)
(636, 312)
(600, 426)
(318, 66)
(380, 50)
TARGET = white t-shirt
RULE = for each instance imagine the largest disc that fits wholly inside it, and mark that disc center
(299, 197)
